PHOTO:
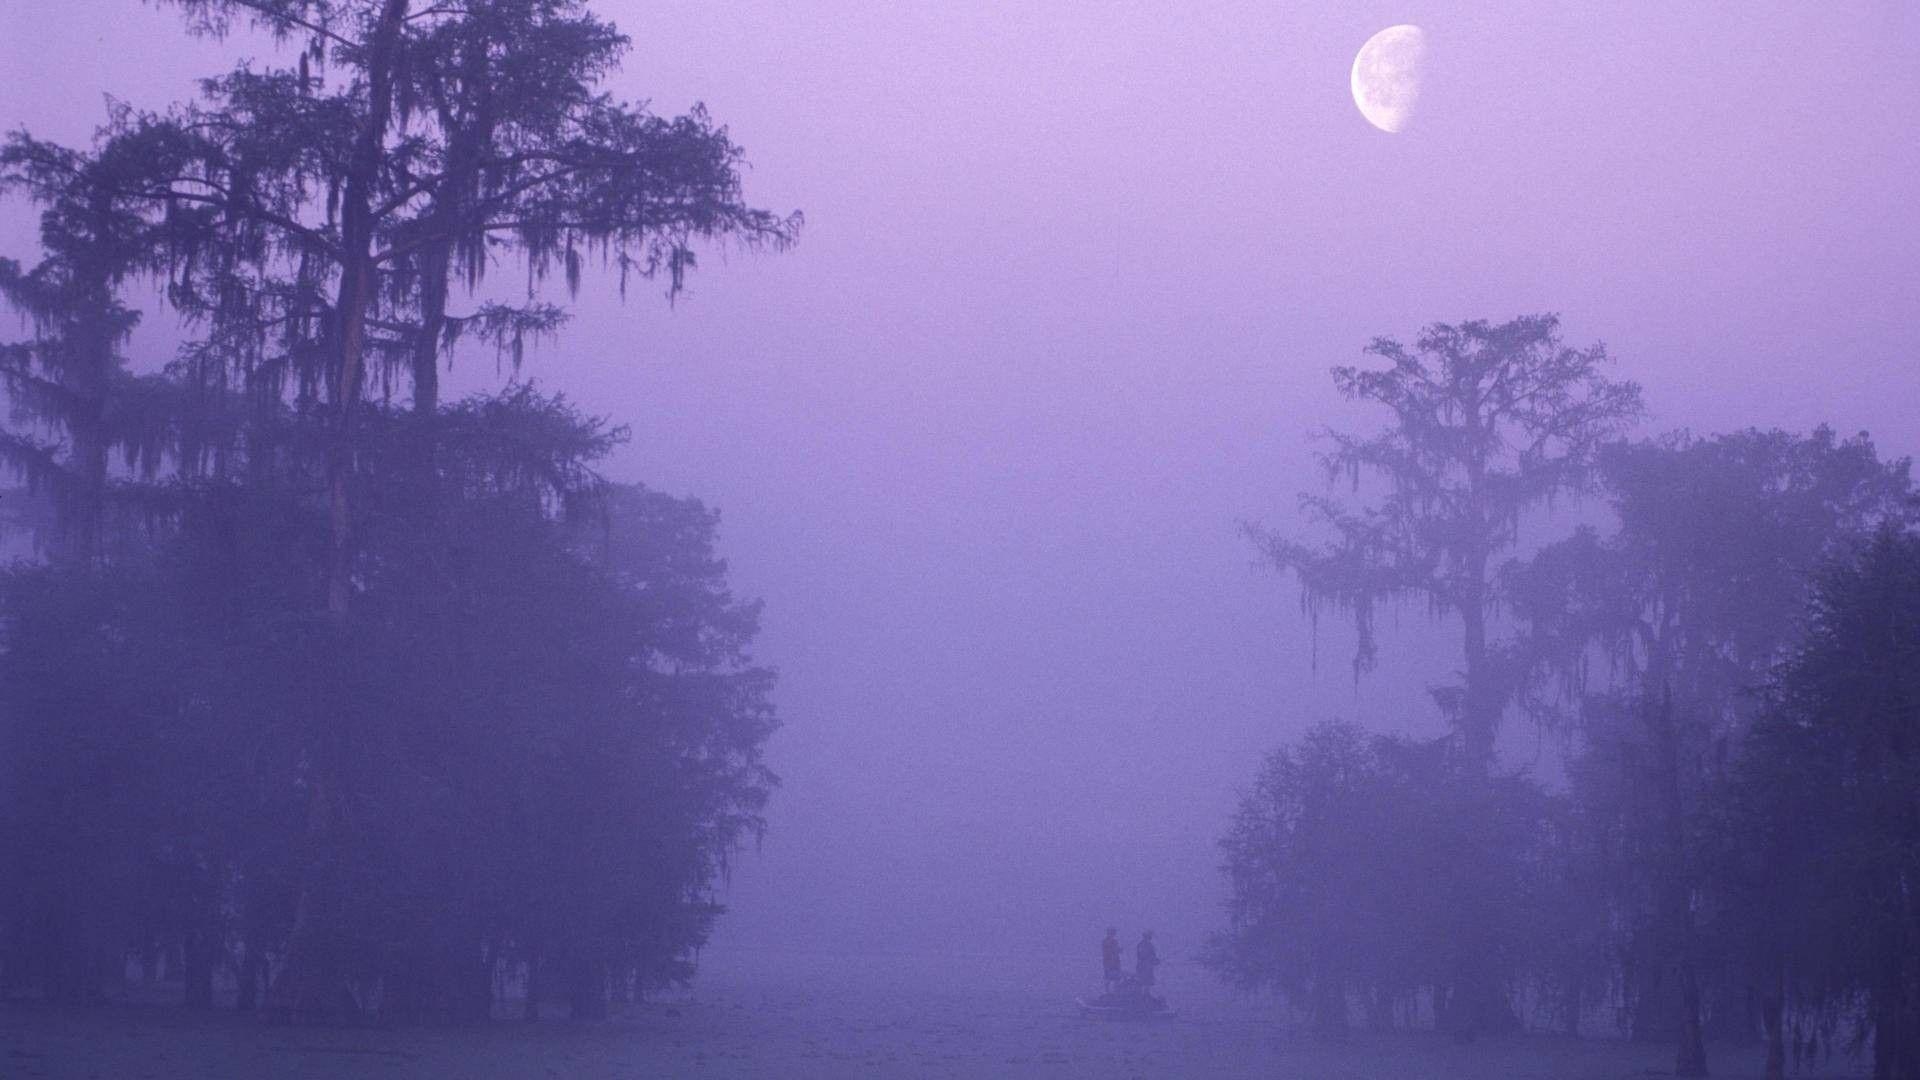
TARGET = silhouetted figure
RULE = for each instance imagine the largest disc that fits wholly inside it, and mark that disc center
(1145, 959)
(1110, 956)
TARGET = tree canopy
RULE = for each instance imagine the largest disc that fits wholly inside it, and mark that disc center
(359, 706)
(1488, 421)
(1675, 871)
(1826, 810)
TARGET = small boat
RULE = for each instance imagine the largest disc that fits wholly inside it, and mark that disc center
(1124, 1005)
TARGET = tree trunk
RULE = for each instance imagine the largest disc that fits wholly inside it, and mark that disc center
(1896, 1032)
(1886, 1049)
(250, 975)
(198, 956)
(586, 990)
(1771, 1008)
(1479, 716)
(355, 290)
(300, 986)
(80, 529)
(436, 267)
(1691, 1057)
(404, 994)
(1653, 1004)
(357, 227)
(1459, 1019)
(468, 138)
(305, 982)
(67, 958)
(1728, 1014)
(622, 987)
(1379, 1009)
(470, 990)
(81, 536)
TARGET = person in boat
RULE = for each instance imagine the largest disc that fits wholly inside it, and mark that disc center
(1110, 957)
(1145, 959)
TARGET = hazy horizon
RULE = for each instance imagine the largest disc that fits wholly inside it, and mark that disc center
(1060, 320)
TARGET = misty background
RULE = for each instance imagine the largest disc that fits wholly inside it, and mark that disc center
(1061, 319)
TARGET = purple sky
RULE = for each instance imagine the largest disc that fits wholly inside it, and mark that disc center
(1072, 278)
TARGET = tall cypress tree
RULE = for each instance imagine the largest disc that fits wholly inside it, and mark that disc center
(1488, 421)
(71, 397)
(314, 218)
(1692, 601)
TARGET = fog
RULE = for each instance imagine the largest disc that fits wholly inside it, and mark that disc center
(1059, 323)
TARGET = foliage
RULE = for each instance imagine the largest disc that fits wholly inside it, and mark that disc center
(1319, 857)
(544, 746)
(310, 210)
(71, 398)
(1653, 879)
(311, 217)
(1687, 605)
(1717, 543)
(1825, 815)
(288, 634)
(1488, 422)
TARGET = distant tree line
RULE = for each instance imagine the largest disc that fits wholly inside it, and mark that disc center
(1733, 667)
(340, 695)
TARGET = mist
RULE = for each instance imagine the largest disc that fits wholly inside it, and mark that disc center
(988, 440)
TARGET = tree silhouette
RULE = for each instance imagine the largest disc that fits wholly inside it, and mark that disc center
(1690, 602)
(1488, 421)
(70, 393)
(1828, 808)
(314, 220)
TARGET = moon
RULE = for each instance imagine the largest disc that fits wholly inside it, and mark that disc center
(1386, 76)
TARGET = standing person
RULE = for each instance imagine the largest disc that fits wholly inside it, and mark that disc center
(1145, 959)
(1110, 957)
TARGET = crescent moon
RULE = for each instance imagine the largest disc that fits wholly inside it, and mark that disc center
(1386, 76)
